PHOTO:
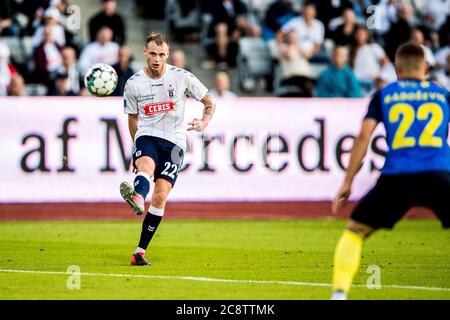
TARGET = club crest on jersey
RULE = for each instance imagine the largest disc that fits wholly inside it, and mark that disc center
(153, 108)
(171, 91)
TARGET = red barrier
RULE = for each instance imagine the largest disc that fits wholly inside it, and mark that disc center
(182, 210)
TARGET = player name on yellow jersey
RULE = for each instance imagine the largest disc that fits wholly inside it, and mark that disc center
(419, 95)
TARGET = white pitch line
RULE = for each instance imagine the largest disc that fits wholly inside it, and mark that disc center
(204, 279)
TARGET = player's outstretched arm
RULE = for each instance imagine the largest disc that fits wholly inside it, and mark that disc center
(358, 153)
(208, 111)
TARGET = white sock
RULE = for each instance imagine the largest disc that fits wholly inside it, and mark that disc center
(143, 174)
(156, 211)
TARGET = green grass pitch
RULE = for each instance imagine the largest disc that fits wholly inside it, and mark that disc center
(416, 253)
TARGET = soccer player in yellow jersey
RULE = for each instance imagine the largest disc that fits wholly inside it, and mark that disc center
(416, 172)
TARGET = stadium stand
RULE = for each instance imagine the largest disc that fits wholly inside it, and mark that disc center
(253, 62)
(257, 71)
(182, 17)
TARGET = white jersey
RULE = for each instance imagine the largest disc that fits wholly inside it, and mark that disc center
(160, 103)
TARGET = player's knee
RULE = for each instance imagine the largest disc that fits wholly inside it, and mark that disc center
(359, 228)
(145, 164)
(159, 198)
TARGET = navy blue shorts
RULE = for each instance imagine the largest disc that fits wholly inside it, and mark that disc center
(168, 156)
(394, 195)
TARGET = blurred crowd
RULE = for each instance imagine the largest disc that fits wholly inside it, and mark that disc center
(55, 57)
(354, 39)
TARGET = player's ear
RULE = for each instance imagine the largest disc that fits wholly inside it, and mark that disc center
(398, 69)
(426, 67)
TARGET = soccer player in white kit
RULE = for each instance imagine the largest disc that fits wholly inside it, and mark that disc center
(154, 99)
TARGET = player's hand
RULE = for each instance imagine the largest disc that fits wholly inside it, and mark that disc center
(197, 125)
(341, 198)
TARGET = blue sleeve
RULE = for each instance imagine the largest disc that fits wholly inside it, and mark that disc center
(374, 110)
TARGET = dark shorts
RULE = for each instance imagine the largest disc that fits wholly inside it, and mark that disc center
(168, 156)
(394, 195)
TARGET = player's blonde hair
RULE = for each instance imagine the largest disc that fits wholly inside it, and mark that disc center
(410, 56)
(158, 38)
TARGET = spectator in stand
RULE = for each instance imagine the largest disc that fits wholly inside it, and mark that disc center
(360, 7)
(51, 18)
(385, 14)
(73, 35)
(230, 22)
(309, 31)
(444, 32)
(441, 55)
(8, 23)
(69, 66)
(295, 68)
(328, 10)
(33, 12)
(338, 80)
(366, 58)
(178, 59)
(7, 71)
(101, 51)
(123, 69)
(16, 87)
(434, 13)
(61, 88)
(442, 77)
(417, 37)
(110, 18)
(344, 34)
(399, 31)
(222, 87)
(278, 13)
(436, 17)
(47, 57)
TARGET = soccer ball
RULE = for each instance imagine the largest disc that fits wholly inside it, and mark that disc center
(101, 79)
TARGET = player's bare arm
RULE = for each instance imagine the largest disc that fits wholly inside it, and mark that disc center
(358, 153)
(132, 124)
(208, 111)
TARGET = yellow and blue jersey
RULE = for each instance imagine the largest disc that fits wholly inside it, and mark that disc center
(415, 114)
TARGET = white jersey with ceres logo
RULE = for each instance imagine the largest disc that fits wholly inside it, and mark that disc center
(160, 103)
